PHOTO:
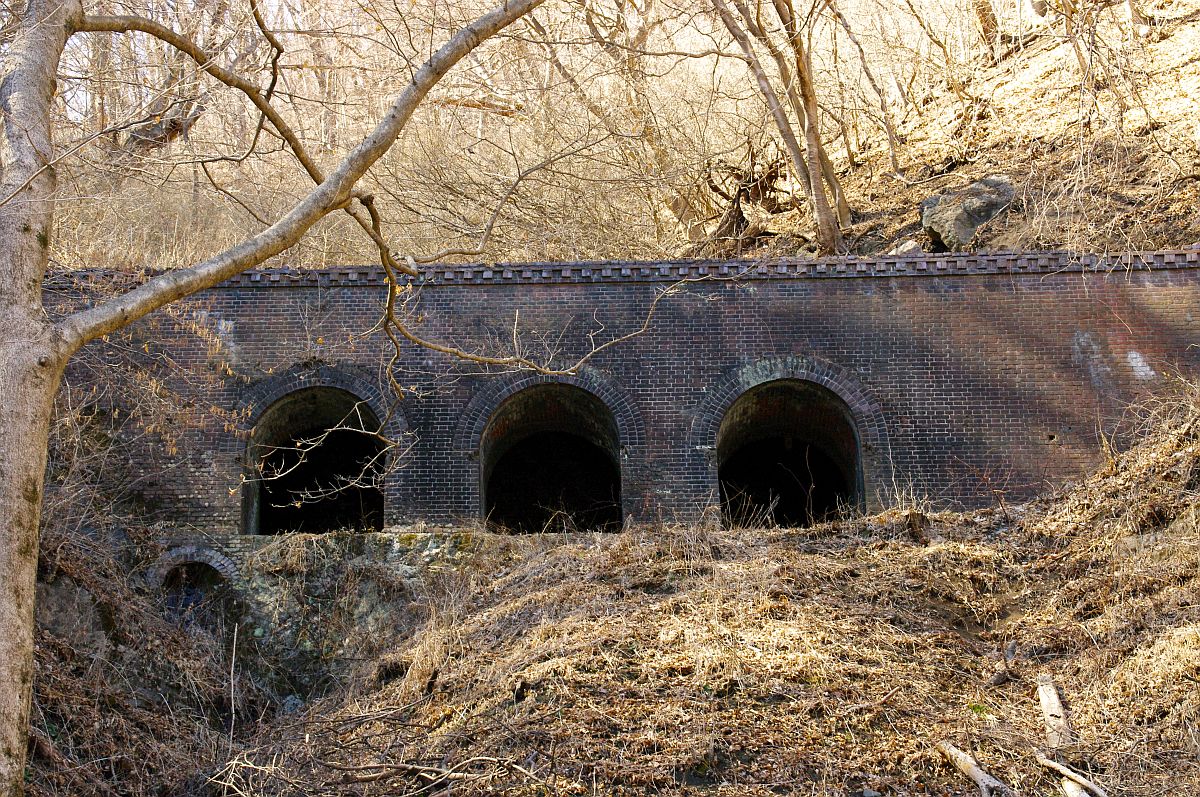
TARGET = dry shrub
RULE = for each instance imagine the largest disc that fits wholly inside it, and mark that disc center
(673, 659)
(128, 699)
(676, 659)
(131, 695)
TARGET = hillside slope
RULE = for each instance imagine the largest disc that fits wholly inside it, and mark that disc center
(1103, 161)
(829, 660)
(1102, 158)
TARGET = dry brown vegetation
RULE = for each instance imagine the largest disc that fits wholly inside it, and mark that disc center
(823, 661)
(128, 701)
(663, 659)
(606, 129)
(688, 660)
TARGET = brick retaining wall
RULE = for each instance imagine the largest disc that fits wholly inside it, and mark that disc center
(964, 374)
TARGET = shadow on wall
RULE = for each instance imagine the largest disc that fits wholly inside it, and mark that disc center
(315, 463)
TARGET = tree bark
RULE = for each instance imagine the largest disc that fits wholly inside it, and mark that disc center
(28, 388)
(965, 763)
(988, 26)
(31, 353)
(786, 131)
(806, 161)
(829, 234)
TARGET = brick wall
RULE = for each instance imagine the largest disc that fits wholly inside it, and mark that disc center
(964, 374)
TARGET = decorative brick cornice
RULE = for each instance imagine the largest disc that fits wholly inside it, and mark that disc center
(670, 271)
(770, 269)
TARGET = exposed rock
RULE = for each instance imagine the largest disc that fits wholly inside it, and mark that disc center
(950, 220)
(905, 247)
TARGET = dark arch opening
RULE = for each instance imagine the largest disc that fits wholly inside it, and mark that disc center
(196, 594)
(550, 459)
(316, 462)
(788, 455)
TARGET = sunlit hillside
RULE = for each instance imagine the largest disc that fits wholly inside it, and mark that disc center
(588, 133)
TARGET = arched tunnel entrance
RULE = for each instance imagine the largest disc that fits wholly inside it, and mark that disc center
(788, 455)
(549, 460)
(315, 462)
(196, 594)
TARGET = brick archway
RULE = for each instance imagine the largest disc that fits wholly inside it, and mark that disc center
(262, 394)
(156, 576)
(864, 411)
(631, 430)
(259, 399)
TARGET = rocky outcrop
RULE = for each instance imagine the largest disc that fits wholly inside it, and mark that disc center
(951, 220)
(905, 247)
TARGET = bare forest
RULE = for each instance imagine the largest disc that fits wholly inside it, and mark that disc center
(642, 129)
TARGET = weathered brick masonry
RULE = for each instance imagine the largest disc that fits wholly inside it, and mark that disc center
(962, 374)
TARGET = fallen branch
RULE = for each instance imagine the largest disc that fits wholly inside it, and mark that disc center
(432, 776)
(988, 786)
(1058, 727)
(1078, 780)
(1072, 789)
(857, 707)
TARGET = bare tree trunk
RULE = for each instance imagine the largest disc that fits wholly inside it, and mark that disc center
(1140, 23)
(829, 233)
(31, 356)
(806, 161)
(951, 77)
(623, 44)
(34, 352)
(988, 25)
(1070, 9)
(768, 93)
(323, 74)
(29, 389)
(885, 112)
(794, 84)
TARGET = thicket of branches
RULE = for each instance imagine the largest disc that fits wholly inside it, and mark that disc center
(593, 128)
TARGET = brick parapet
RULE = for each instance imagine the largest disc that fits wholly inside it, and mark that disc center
(774, 269)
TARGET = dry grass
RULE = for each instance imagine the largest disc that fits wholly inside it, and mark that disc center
(694, 660)
(126, 700)
(1107, 160)
(1089, 175)
(681, 660)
